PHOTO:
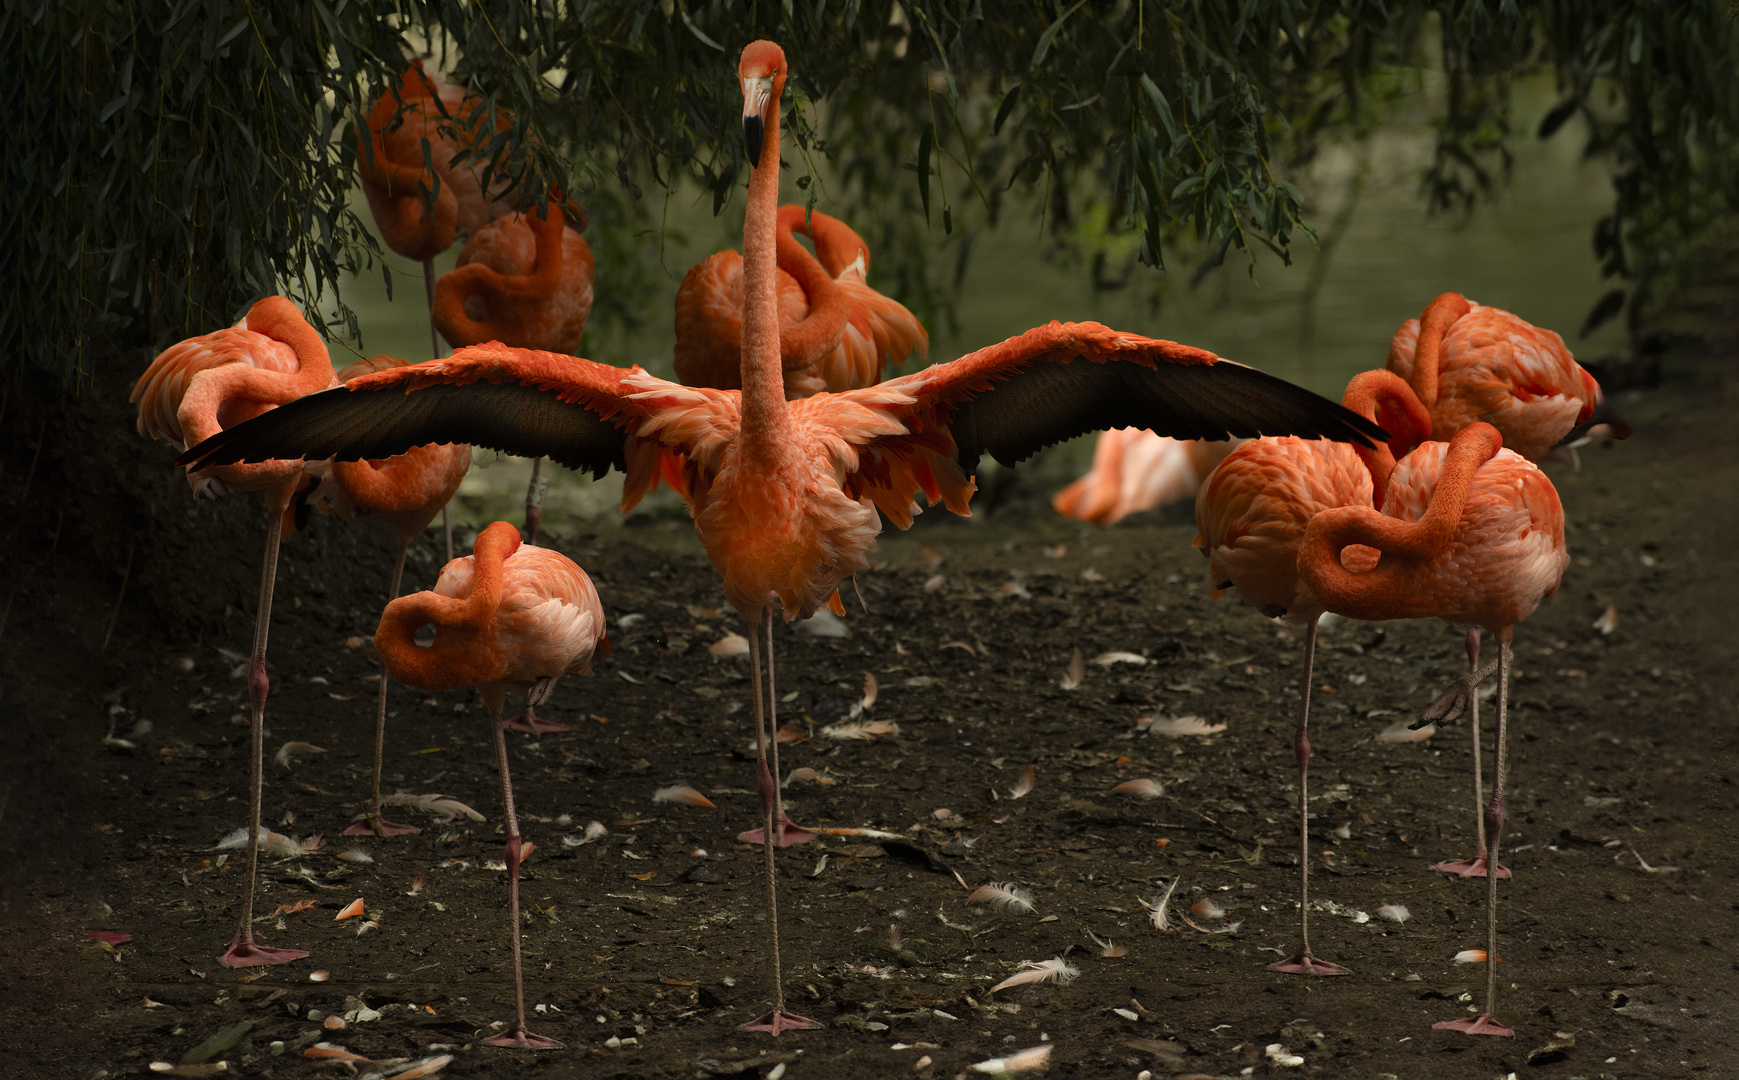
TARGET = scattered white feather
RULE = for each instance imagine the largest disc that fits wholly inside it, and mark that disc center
(869, 691)
(1039, 1057)
(435, 805)
(729, 645)
(1156, 910)
(1014, 588)
(824, 624)
(1106, 659)
(355, 855)
(1395, 913)
(1401, 732)
(1034, 971)
(1472, 956)
(862, 730)
(276, 845)
(682, 793)
(286, 755)
(808, 776)
(935, 584)
(1608, 621)
(1207, 909)
(594, 830)
(1283, 1057)
(1024, 786)
(1005, 896)
(1182, 725)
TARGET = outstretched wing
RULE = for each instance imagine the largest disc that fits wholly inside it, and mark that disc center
(1056, 382)
(1062, 380)
(518, 401)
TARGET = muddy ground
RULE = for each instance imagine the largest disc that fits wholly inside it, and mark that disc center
(1621, 926)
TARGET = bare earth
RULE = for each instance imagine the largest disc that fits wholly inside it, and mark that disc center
(644, 946)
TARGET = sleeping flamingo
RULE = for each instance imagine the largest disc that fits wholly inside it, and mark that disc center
(1471, 533)
(1134, 470)
(785, 494)
(193, 390)
(404, 493)
(507, 617)
(835, 332)
(523, 280)
(1252, 513)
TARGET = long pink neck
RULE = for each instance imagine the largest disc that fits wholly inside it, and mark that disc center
(837, 244)
(453, 660)
(765, 421)
(1428, 353)
(1396, 589)
(1384, 397)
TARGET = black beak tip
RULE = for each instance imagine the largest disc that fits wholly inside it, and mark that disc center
(753, 130)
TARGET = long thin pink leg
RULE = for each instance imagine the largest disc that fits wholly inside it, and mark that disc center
(787, 833)
(376, 824)
(1476, 866)
(244, 951)
(1302, 962)
(534, 501)
(519, 1036)
(1487, 1023)
(779, 1019)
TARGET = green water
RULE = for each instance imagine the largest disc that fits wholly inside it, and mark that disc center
(1527, 250)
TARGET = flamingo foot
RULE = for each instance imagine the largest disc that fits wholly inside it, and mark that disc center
(1302, 963)
(524, 1039)
(244, 951)
(377, 825)
(1483, 1024)
(533, 724)
(779, 1020)
(1475, 867)
(790, 836)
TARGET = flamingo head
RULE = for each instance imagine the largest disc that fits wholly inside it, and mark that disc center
(762, 71)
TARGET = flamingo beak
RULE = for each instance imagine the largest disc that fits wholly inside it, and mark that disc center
(756, 92)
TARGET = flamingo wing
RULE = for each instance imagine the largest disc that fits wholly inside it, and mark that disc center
(1062, 380)
(518, 401)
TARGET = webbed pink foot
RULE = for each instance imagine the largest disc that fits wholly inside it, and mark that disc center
(376, 825)
(523, 1039)
(779, 1020)
(1474, 867)
(1303, 963)
(1483, 1024)
(244, 951)
(533, 724)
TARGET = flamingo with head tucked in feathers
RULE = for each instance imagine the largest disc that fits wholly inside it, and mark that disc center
(192, 391)
(785, 494)
(506, 617)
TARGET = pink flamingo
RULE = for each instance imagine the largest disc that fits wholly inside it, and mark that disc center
(785, 494)
(507, 617)
(1470, 533)
(1135, 470)
(192, 391)
(404, 493)
(1252, 513)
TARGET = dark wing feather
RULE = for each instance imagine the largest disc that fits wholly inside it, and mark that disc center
(378, 422)
(1044, 403)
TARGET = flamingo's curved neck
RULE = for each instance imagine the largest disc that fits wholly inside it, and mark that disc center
(1428, 353)
(764, 416)
(447, 662)
(1384, 397)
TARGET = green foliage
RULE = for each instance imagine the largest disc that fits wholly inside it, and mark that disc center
(183, 156)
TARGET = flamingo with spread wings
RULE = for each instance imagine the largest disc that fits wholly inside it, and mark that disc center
(785, 494)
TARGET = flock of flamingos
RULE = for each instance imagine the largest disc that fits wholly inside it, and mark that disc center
(1417, 497)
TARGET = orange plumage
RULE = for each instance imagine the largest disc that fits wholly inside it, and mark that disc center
(1135, 470)
(523, 279)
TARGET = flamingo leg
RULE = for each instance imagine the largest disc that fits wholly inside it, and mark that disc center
(519, 1037)
(1302, 962)
(375, 823)
(1487, 1023)
(244, 951)
(534, 500)
(779, 1019)
(1476, 866)
(447, 528)
(435, 342)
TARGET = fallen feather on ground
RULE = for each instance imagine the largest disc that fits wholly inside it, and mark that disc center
(1143, 788)
(1025, 784)
(1473, 956)
(1401, 731)
(823, 623)
(1156, 911)
(1005, 896)
(1077, 671)
(276, 845)
(440, 806)
(355, 855)
(729, 645)
(1033, 971)
(869, 691)
(808, 776)
(1107, 949)
(1283, 1057)
(1106, 659)
(682, 793)
(1608, 621)
(1039, 1057)
(862, 730)
(351, 910)
(424, 1069)
(286, 755)
(1395, 913)
(1182, 725)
